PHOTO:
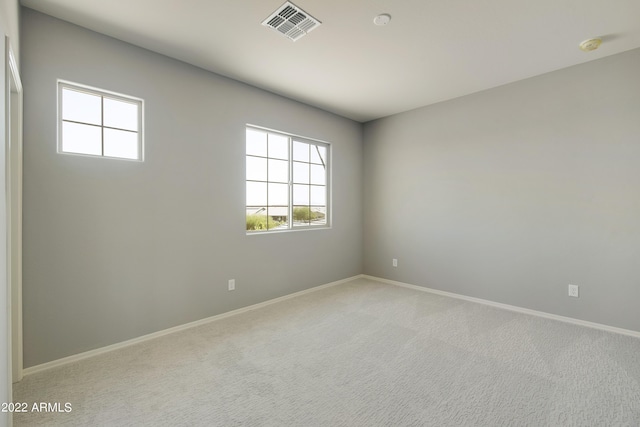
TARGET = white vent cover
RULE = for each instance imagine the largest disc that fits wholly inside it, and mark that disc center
(291, 21)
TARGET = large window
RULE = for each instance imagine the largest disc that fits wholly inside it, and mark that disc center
(287, 181)
(98, 123)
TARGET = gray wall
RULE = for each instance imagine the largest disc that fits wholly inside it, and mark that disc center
(513, 193)
(117, 249)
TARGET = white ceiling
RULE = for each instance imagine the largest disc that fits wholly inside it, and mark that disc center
(431, 51)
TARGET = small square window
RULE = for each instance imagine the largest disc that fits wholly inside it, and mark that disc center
(95, 122)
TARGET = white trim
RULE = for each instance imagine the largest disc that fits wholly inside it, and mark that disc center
(98, 351)
(14, 162)
(13, 66)
(517, 309)
(289, 230)
(88, 354)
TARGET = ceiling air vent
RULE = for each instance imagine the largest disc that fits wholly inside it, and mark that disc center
(291, 21)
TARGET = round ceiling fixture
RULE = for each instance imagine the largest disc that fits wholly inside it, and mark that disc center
(383, 19)
(591, 44)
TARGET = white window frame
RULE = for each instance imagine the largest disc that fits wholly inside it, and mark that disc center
(102, 93)
(328, 182)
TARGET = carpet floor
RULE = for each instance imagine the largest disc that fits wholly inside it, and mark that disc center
(358, 354)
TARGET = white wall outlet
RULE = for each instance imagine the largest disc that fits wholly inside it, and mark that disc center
(395, 262)
(232, 284)
(574, 291)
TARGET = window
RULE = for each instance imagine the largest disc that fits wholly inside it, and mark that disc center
(98, 123)
(287, 182)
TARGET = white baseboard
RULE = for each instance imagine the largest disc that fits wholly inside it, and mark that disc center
(517, 309)
(91, 353)
(87, 354)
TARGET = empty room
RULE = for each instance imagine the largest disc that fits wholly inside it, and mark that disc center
(320, 213)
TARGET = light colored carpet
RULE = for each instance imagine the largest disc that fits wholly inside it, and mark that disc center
(358, 354)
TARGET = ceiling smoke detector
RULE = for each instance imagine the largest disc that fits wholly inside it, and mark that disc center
(291, 21)
(382, 20)
(591, 44)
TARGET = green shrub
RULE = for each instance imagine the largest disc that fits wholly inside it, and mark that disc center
(261, 222)
(305, 214)
(264, 222)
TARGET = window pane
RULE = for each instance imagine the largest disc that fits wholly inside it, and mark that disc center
(278, 146)
(318, 154)
(278, 194)
(278, 217)
(318, 216)
(81, 107)
(301, 173)
(120, 114)
(257, 218)
(277, 222)
(256, 193)
(300, 194)
(256, 143)
(318, 175)
(83, 139)
(300, 151)
(256, 168)
(279, 170)
(318, 195)
(301, 215)
(120, 143)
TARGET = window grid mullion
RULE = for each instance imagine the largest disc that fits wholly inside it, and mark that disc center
(110, 127)
(102, 122)
(309, 186)
(268, 182)
(290, 219)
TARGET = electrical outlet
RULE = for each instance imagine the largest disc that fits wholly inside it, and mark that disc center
(574, 291)
(232, 284)
(395, 262)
